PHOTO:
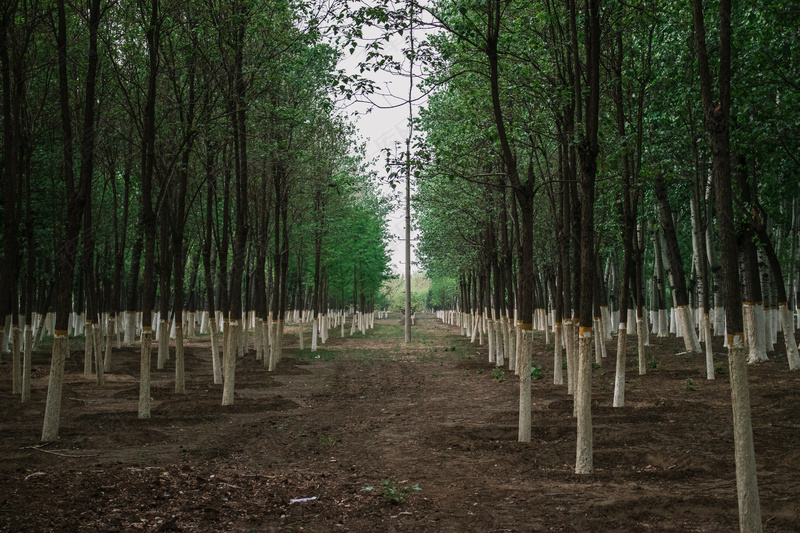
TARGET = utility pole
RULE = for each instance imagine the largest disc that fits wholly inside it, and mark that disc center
(408, 168)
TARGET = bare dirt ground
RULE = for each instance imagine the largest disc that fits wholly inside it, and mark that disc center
(369, 415)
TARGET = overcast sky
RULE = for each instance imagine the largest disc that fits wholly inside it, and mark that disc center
(382, 127)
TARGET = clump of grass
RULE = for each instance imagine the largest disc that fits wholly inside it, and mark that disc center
(689, 384)
(393, 493)
(719, 369)
(536, 372)
(498, 374)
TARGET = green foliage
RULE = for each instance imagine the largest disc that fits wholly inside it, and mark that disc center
(394, 494)
(536, 372)
(689, 384)
(498, 374)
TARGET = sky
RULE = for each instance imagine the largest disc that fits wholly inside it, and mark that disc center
(382, 127)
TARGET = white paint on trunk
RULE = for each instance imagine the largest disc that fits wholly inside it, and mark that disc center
(597, 340)
(229, 361)
(641, 333)
(314, 333)
(558, 369)
(744, 453)
(215, 362)
(26, 365)
(52, 410)
(761, 326)
(144, 374)
(788, 336)
(619, 376)
(524, 434)
(709, 349)
(16, 361)
(663, 323)
(690, 341)
(584, 463)
(490, 333)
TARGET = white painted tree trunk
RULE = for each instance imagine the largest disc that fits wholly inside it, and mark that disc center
(598, 352)
(771, 336)
(558, 370)
(38, 332)
(519, 345)
(619, 376)
(190, 316)
(498, 340)
(569, 345)
(709, 349)
(26, 365)
(663, 323)
(630, 324)
(490, 333)
(508, 333)
(605, 314)
(761, 327)
(690, 341)
(750, 333)
(16, 360)
(52, 410)
(229, 354)
(130, 326)
(144, 374)
(97, 335)
(744, 453)
(258, 344)
(524, 434)
(215, 362)
(118, 328)
(204, 322)
(719, 320)
(641, 333)
(788, 337)
(584, 462)
(314, 333)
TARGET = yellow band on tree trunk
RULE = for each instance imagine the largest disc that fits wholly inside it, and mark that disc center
(735, 340)
(583, 331)
(527, 326)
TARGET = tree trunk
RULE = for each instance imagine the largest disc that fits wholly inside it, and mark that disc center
(76, 201)
(676, 272)
(717, 115)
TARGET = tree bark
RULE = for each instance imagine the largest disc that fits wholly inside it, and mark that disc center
(717, 116)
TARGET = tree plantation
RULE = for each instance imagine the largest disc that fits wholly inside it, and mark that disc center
(195, 284)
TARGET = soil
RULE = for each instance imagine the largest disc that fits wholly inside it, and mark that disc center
(386, 437)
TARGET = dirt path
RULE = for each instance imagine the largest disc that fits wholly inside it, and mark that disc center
(364, 412)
